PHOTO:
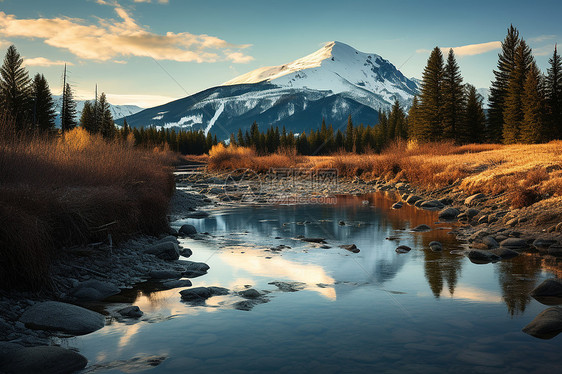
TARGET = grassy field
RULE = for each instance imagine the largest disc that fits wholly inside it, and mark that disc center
(73, 190)
(528, 173)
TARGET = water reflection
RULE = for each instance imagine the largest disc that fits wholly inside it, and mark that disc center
(518, 277)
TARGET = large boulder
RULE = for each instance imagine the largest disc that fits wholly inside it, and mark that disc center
(67, 318)
(187, 230)
(514, 243)
(165, 274)
(44, 360)
(449, 213)
(93, 290)
(546, 325)
(479, 256)
(168, 251)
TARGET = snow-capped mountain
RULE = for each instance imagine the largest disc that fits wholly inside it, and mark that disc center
(332, 83)
(117, 111)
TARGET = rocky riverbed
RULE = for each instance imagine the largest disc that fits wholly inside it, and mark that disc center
(30, 324)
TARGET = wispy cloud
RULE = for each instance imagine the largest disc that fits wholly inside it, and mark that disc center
(541, 38)
(149, 1)
(474, 49)
(42, 61)
(144, 101)
(110, 39)
(545, 50)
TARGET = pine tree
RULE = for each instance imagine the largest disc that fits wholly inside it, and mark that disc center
(126, 130)
(106, 124)
(513, 111)
(453, 98)
(15, 89)
(474, 120)
(88, 119)
(553, 93)
(68, 110)
(431, 97)
(43, 106)
(533, 126)
(414, 120)
(498, 90)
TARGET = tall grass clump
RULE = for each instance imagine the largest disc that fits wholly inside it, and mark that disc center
(73, 190)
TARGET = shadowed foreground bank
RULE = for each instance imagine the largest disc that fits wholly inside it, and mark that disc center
(73, 190)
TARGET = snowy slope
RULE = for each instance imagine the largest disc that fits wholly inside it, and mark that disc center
(117, 111)
(332, 83)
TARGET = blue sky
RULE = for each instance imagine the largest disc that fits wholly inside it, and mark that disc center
(148, 52)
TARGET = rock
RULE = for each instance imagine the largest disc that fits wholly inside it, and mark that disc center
(289, 286)
(474, 199)
(432, 205)
(420, 228)
(543, 243)
(186, 252)
(168, 238)
(56, 316)
(168, 251)
(6, 351)
(449, 213)
(44, 359)
(176, 283)
(187, 230)
(504, 253)
(403, 249)
(419, 203)
(490, 242)
(558, 227)
(514, 243)
(245, 305)
(548, 288)
(193, 266)
(350, 247)
(341, 223)
(165, 274)
(198, 214)
(554, 250)
(132, 311)
(546, 325)
(202, 293)
(512, 222)
(435, 246)
(397, 205)
(93, 290)
(412, 199)
(314, 240)
(479, 256)
(250, 294)
(471, 213)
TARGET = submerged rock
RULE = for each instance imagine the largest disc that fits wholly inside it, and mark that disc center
(350, 247)
(479, 256)
(546, 325)
(250, 294)
(403, 249)
(202, 293)
(314, 240)
(289, 286)
(43, 359)
(132, 311)
(436, 246)
(420, 228)
(68, 318)
(505, 253)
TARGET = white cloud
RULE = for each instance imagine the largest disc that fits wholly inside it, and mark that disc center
(474, 49)
(541, 38)
(110, 39)
(546, 50)
(42, 61)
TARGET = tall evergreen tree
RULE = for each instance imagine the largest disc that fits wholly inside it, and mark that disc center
(533, 125)
(513, 111)
(431, 97)
(474, 120)
(414, 120)
(453, 98)
(88, 119)
(498, 90)
(349, 142)
(107, 126)
(15, 89)
(43, 106)
(553, 92)
(68, 110)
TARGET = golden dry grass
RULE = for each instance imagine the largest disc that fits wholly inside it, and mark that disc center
(527, 172)
(71, 190)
